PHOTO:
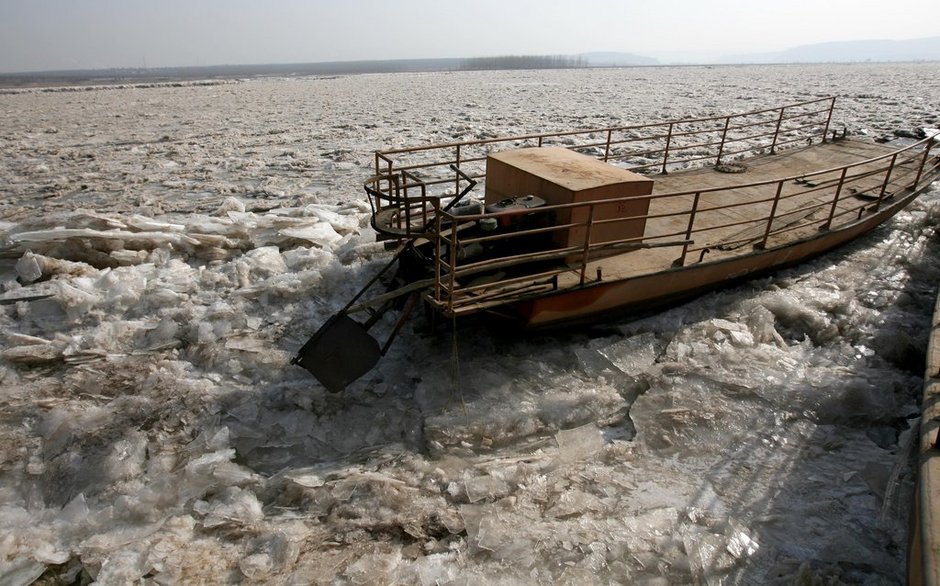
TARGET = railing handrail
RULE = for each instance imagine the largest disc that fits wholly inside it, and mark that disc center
(705, 190)
(449, 291)
(444, 145)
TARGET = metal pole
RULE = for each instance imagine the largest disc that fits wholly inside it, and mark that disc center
(452, 282)
(457, 175)
(770, 220)
(666, 152)
(587, 243)
(923, 162)
(724, 134)
(607, 148)
(773, 146)
(688, 232)
(832, 106)
(835, 200)
(884, 186)
(407, 204)
(437, 251)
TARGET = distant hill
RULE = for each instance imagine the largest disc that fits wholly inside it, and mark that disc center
(611, 59)
(926, 49)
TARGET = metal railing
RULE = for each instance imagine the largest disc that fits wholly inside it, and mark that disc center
(825, 200)
(646, 148)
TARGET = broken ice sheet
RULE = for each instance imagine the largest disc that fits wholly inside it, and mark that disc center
(233, 506)
(485, 487)
(633, 355)
(579, 443)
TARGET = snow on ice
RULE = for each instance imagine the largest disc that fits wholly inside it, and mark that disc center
(167, 249)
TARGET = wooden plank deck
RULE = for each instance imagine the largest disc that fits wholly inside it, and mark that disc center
(793, 162)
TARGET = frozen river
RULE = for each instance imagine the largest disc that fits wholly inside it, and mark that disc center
(191, 237)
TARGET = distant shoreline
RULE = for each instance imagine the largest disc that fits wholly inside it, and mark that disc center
(220, 74)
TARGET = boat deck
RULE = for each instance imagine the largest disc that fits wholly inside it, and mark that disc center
(749, 220)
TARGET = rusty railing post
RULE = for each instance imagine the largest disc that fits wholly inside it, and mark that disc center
(587, 243)
(666, 152)
(923, 162)
(884, 186)
(773, 146)
(452, 281)
(437, 250)
(770, 220)
(607, 148)
(832, 106)
(724, 134)
(688, 231)
(456, 174)
(406, 204)
(835, 200)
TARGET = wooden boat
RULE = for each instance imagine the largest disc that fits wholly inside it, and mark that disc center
(587, 224)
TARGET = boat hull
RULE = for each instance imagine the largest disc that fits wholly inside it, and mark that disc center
(645, 293)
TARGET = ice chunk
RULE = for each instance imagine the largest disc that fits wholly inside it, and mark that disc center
(635, 354)
(741, 545)
(234, 506)
(20, 571)
(266, 261)
(485, 487)
(342, 224)
(575, 502)
(579, 443)
(256, 566)
(123, 567)
(436, 569)
(374, 568)
(230, 204)
(320, 234)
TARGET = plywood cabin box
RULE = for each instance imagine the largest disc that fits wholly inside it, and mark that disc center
(560, 176)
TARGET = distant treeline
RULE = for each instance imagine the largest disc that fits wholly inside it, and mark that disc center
(523, 62)
(216, 72)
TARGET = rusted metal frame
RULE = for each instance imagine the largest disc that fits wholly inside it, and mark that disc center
(418, 203)
(438, 226)
(793, 140)
(457, 175)
(923, 162)
(773, 146)
(795, 211)
(379, 156)
(805, 114)
(518, 259)
(933, 168)
(666, 150)
(832, 106)
(792, 228)
(540, 137)
(857, 211)
(884, 186)
(770, 220)
(688, 232)
(752, 124)
(452, 279)
(607, 147)
(403, 316)
(751, 137)
(470, 289)
(797, 129)
(587, 243)
(724, 135)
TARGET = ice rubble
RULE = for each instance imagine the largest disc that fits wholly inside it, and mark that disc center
(151, 431)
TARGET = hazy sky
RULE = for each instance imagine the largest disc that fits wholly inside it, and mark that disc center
(85, 34)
